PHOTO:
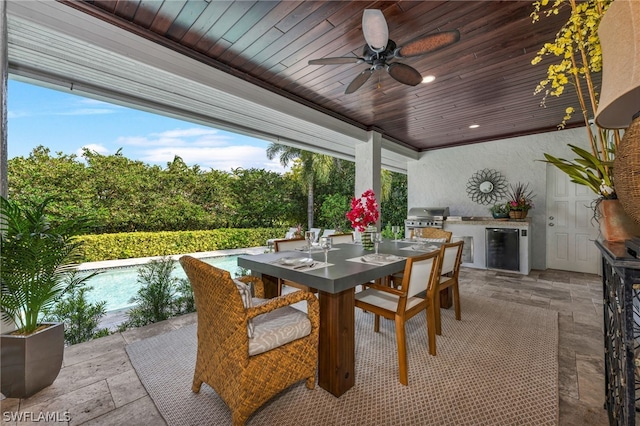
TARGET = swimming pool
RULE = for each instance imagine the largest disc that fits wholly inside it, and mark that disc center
(117, 286)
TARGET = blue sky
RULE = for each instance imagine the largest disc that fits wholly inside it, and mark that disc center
(66, 123)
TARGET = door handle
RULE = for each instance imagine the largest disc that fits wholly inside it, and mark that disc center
(551, 224)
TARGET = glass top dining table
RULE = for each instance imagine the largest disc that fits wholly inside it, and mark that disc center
(349, 266)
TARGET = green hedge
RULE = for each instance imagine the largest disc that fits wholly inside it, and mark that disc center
(126, 245)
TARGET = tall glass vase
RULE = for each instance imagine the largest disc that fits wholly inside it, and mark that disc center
(367, 242)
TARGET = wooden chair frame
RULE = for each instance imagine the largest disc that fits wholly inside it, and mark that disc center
(395, 280)
(450, 261)
(411, 286)
(290, 244)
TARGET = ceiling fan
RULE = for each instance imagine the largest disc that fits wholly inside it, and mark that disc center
(380, 50)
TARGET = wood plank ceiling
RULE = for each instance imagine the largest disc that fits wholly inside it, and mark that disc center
(486, 78)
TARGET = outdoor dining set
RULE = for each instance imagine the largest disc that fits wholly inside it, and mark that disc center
(252, 343)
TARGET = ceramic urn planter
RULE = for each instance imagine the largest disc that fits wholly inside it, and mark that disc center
(615, 224)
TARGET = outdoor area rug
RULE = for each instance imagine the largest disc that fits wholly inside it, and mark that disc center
(497, 366)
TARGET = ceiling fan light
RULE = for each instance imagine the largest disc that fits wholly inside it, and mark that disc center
(428, 78)
(374, 27)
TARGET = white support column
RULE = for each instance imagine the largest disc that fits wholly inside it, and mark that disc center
(4, 75)
(369, 166)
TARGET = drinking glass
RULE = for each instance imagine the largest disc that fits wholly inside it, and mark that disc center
(395, 229)
(325, 243)
(310, 236)
(377, 239)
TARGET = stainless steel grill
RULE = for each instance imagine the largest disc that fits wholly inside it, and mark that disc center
(425, 217)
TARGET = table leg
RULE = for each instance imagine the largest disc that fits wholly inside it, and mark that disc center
(336, 364)
(270, 286)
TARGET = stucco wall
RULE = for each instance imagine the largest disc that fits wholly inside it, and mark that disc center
(440, 177)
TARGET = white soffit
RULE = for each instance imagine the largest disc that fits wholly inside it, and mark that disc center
(62, 48)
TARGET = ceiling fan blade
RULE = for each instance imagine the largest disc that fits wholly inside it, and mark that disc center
(359, 81)
(336, 61)
(426, 44)
(375, 29)
(404, 74)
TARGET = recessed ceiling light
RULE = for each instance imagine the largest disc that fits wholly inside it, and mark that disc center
(474, 126)
(428, 79)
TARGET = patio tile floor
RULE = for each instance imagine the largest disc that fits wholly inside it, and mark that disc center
(98, 386)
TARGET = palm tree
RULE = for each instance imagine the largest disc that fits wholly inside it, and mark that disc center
(309, 168)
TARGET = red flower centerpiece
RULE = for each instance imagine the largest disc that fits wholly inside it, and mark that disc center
(364, 211)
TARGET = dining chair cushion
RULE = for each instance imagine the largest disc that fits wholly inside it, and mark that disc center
(245, 294)
(278, 327)
(384, 300)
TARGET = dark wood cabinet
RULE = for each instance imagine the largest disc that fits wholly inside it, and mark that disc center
(621, 297)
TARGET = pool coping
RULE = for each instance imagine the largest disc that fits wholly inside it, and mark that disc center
(135, 261)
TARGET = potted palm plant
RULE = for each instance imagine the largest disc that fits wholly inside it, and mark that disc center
(37, 258)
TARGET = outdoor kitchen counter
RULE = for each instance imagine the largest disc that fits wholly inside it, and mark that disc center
(489, 221)
(473, 231)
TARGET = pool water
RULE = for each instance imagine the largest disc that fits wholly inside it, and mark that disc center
(117, 286)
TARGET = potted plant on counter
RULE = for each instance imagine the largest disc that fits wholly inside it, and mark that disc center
(519, 200)
(37, 259)
(500, 211)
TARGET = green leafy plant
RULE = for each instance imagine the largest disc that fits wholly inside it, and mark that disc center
(81, 318)
(184, 301)
(498, 210)
(38, 258)
(588, 170)
(147, 244)
(332, 212)
(155, 298)
(519, 197)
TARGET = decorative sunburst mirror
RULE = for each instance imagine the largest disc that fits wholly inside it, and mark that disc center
(486, 186)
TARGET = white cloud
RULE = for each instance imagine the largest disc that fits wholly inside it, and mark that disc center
(178, 137)
(208, 148)
(219, 158)
(93, 147)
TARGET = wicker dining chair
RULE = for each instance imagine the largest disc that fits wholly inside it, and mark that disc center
(421, 274)
(433, 234)
(290, 244)
(246, 372)
(451, 259)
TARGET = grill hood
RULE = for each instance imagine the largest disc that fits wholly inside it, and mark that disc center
(417, 213)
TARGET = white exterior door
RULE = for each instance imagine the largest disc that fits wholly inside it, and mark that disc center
(571, 232)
